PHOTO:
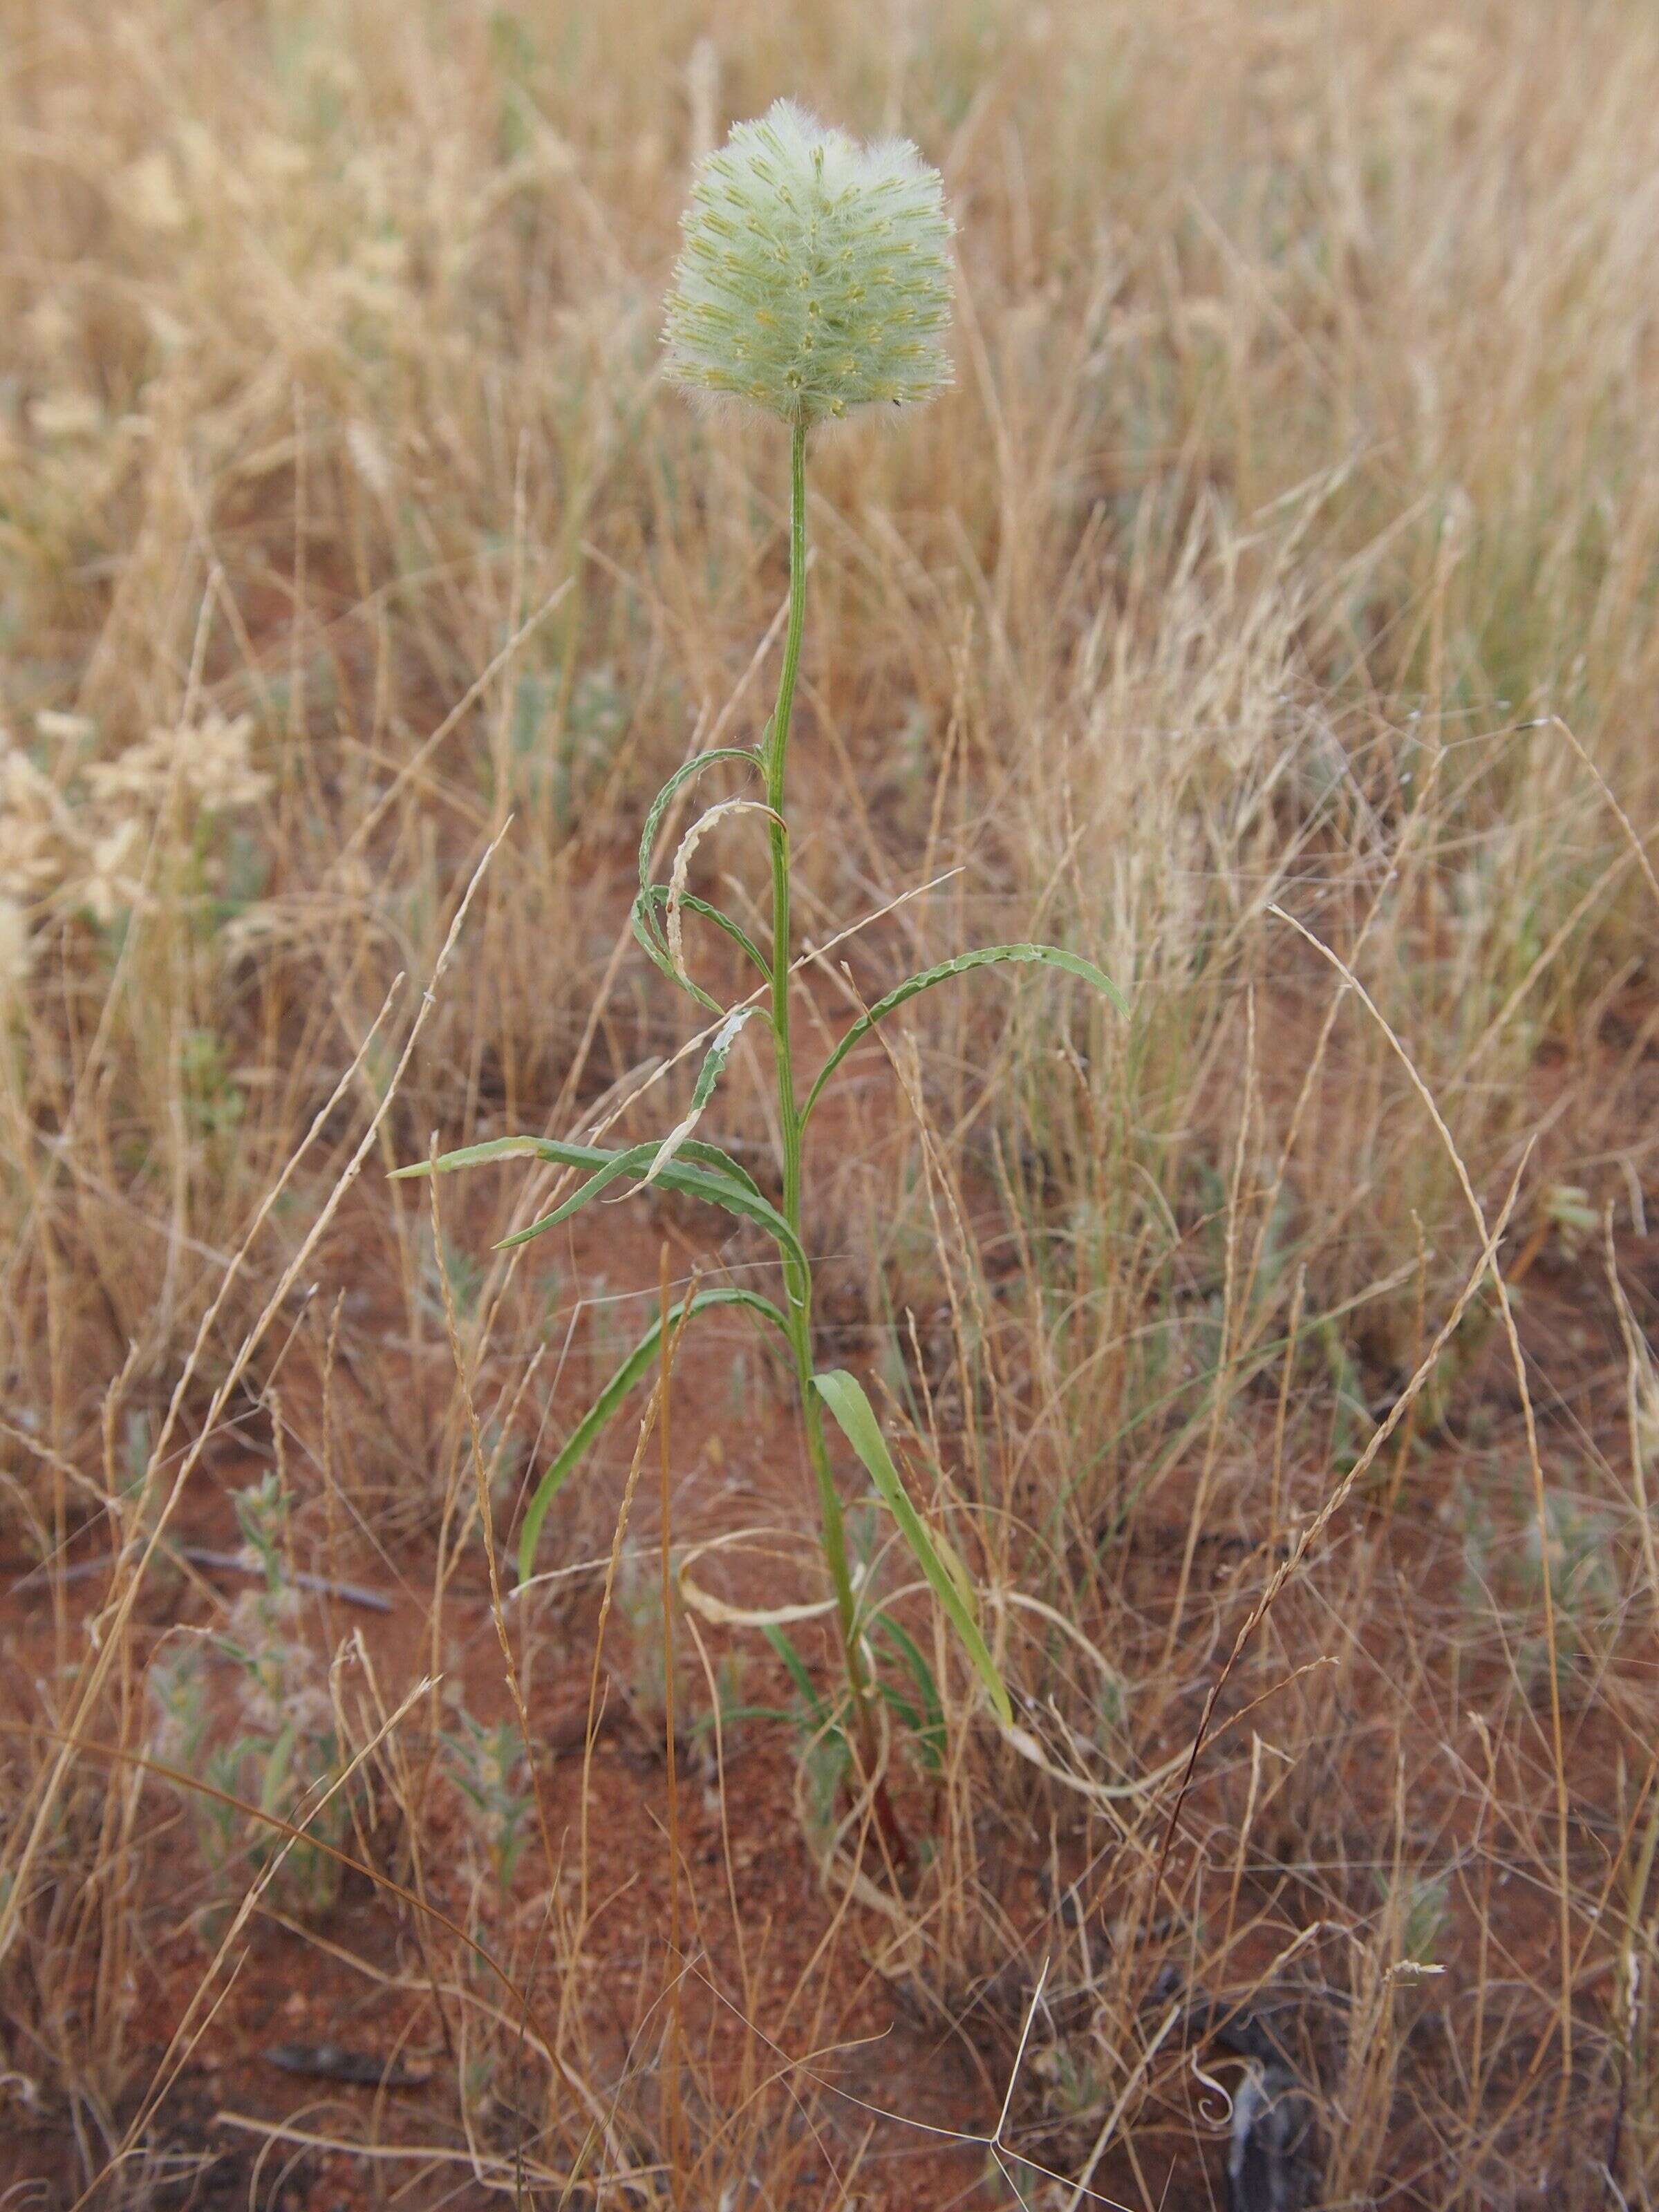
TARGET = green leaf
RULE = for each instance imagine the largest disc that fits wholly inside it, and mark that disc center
(656, 895)
(989, 955)
(479, 1156)
(609, 1166)
(927, 1725)
(855, 1418)
(816, 1709)
(659, 804)
(644, 930)
(637, 1160)
(637, 1364)
(719, 1189)
(642, 918)
(714, 1066)
(701, 1171)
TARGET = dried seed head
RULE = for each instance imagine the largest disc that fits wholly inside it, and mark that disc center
(814, 277)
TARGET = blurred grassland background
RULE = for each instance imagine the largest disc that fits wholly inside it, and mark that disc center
(1302, 459)
(1298, 495)
(1303, 443)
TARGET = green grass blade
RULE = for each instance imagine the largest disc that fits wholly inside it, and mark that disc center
(855, 1418)
(989, 955)
(638, 1364)
(720, 1163)
(735, 1198)
(560, 1152)
(814, 1716)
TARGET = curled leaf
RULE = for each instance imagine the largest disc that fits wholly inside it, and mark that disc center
(680, 874)
(707, 1076)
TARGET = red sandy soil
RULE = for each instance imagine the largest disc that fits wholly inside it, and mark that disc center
(296, 1985)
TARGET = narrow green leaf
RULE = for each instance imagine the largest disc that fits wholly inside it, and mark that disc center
(714, 1066)
(475, 1155)
(723, 1184)
(659, 804)
(989, 955)
(898, 1702)
(607, 1164)
(720, 1163)
(644, 929)
(633, 1369)
(702, 1171)
(719, 1189)
(638, 1160)
(656, 895)
(784, 1646)
(855, 1418)
(561, 1154)
(929, 1724)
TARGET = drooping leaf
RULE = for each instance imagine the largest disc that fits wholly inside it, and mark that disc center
(643, 926)
(638, 1363)
(642, 919)
(702, 1090)
(720, 1189)
(637, 1160)
(561, 1154)
(855, 1418)
(659, 804)
(679, 878)
(704, 1171)
(655, 896)
(989, 955)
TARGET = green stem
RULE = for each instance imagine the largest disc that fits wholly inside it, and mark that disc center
(798, 1279)
(776, 762)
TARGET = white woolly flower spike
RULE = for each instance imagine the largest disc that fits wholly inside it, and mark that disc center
(814, 277)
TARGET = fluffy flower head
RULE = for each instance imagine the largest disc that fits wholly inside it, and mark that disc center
(813, 276)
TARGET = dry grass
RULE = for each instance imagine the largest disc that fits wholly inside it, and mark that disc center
(1299, 493)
